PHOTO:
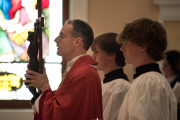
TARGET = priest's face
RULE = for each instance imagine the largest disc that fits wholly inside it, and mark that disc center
(101, 57)
(65, 41)
(131, 52)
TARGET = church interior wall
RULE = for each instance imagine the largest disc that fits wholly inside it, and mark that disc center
(110, 16)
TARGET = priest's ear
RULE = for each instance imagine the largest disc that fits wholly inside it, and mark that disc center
(78, 41)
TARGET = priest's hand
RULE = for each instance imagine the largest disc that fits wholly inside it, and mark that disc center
(38, 80)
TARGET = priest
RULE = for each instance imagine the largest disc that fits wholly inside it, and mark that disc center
(79, 95)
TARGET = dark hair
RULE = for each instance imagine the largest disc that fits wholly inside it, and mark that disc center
(173, 59)
(107, 42)
(83, 30)
(147, 33)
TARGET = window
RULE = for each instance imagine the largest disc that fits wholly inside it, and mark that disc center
(17, 66)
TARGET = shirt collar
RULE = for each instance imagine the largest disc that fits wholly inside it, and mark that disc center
(146, 68)
(70, 63)
(115, 74)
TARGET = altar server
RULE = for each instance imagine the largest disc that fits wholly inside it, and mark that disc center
(150, 96)
(106, 51)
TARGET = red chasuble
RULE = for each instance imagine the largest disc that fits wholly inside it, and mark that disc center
(79, 98)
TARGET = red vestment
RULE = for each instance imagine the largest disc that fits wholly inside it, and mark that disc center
(79, 98)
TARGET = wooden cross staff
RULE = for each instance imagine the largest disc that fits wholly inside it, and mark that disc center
(41, 60)
(35, 64)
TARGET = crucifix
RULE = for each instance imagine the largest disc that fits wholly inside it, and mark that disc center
(35, 49)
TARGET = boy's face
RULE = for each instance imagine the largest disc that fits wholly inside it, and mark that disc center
(168, 72)
(101, 57)
(131, 52)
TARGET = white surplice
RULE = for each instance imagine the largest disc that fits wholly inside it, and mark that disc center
(113, 94)
(149, 98)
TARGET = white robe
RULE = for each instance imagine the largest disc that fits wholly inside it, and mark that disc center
(113, 94)
(149, 98)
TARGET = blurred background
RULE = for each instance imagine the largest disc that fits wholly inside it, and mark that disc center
(102, 15)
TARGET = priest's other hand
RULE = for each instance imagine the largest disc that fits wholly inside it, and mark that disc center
(38, 80)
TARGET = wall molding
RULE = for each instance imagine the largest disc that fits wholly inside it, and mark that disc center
(169, 10)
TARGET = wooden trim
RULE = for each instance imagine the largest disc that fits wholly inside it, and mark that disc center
(65, 17)
(14, 104)
(65, 10)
